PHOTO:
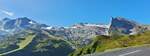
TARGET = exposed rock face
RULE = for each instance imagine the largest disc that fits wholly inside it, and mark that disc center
(146, 27)
(19, 23)
(79, 33)
(11, 26)
(123, 26)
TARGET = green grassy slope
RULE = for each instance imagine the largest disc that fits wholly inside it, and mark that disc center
(102, 43)
(44, 45)
(28, 39)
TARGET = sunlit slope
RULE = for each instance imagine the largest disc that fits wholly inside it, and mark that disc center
(103, 43)
(43, 44)
(28, 39)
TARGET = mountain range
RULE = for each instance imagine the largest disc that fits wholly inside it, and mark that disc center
(23, 36)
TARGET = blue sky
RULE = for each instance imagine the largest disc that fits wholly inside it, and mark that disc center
(69, 12)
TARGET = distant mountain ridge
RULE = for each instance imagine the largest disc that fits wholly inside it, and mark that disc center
(24, 22)
(12, 31)
(75, 32)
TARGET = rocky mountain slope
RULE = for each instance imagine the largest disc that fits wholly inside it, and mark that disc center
(50, 40)
(123, 26)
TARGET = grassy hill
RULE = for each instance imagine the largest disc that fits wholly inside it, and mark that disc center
(22, 44)
(102, 43)
(41, 44)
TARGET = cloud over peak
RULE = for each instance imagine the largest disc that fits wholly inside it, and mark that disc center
(7, 12)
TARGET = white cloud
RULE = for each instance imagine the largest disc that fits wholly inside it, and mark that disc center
(7, 12)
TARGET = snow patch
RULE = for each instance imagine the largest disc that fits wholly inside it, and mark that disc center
(104, 26)
(48, 28)
(31, 22)
(133, 31)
